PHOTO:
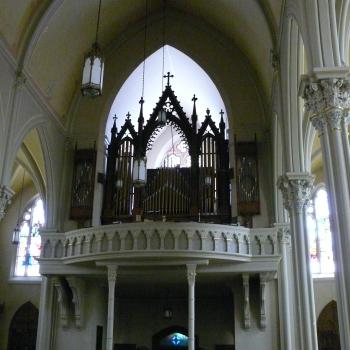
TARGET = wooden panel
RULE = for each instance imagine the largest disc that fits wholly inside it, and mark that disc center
(83, 184)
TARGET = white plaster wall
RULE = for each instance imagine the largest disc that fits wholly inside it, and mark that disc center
(325, 292)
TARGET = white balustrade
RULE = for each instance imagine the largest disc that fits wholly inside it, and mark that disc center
(159, 237)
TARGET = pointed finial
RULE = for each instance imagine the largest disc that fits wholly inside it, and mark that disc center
(222, 123)
(141, 119)
(114, 129)
(208, 111)
(168, 76)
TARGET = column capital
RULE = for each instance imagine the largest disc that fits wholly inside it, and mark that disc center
(112, 273)
(296, 190)
(283, 232)
(5, 199)
(191, 273)
(328, 102)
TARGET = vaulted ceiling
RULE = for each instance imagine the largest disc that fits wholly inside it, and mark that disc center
(50, 38)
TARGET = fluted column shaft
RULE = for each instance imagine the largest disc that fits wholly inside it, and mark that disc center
(191, 278)
(296, 190)
(112, 276)
(328, 103)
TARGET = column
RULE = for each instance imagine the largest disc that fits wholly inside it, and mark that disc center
(328, 103)
(44, 333)
(286, 306)
(191, 278)
(112, 276)
(296, 190)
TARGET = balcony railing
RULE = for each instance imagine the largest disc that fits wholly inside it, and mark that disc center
(160, 240)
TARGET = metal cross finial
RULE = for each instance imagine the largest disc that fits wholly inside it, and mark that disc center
(222, 113)
(142, 100)
(128, 115)
(168, 76)
(115, 118)
(208, 111)
(194, 98)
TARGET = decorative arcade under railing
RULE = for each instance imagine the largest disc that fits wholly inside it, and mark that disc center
(198, 192)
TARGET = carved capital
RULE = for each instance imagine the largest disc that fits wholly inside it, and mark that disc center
(296, 190)
(328, 102)
(283, 233)
(5, 199)
(191, 274)
(326, 94)
(112, 273)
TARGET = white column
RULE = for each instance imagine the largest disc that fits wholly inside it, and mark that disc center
(286, 305)
(112, 276)
(296, 190)
(328, 102)
(191, 278)
(43, 341)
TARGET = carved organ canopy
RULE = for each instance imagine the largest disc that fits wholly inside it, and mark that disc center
(175, 191)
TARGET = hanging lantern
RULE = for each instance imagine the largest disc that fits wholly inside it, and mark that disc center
(93, 73)
(92, 81)
(139, 174)
(15, 235)
(162, 116)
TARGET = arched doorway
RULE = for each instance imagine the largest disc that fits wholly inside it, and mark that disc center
(328, 328)
(23, 328)
(172, 338)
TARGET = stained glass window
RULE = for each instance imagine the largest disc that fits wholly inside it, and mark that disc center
(29, 240)
(320, 236)
(175, 340)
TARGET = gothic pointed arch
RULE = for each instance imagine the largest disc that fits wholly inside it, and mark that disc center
(23, 328)
(328, 328)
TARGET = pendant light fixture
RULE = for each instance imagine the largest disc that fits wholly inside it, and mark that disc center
(139, 171)
(92, 80)
(17, 230)
(162, 117)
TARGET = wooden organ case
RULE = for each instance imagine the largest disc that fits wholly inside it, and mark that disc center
(198, 192)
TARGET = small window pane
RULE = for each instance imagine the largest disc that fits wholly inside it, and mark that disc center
(320, 236)
(29, 246)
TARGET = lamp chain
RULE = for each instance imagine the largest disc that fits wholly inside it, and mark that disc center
(21, 195)
(144, 51)
(98, 21)
(163, 42)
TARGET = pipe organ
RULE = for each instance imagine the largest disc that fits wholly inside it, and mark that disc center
(178, 193)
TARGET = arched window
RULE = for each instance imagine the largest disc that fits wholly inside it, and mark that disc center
(29, 245)
(320, 236)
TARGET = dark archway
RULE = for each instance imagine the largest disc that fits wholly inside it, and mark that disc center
(23, 328)
(328, 328)
(159, 340)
